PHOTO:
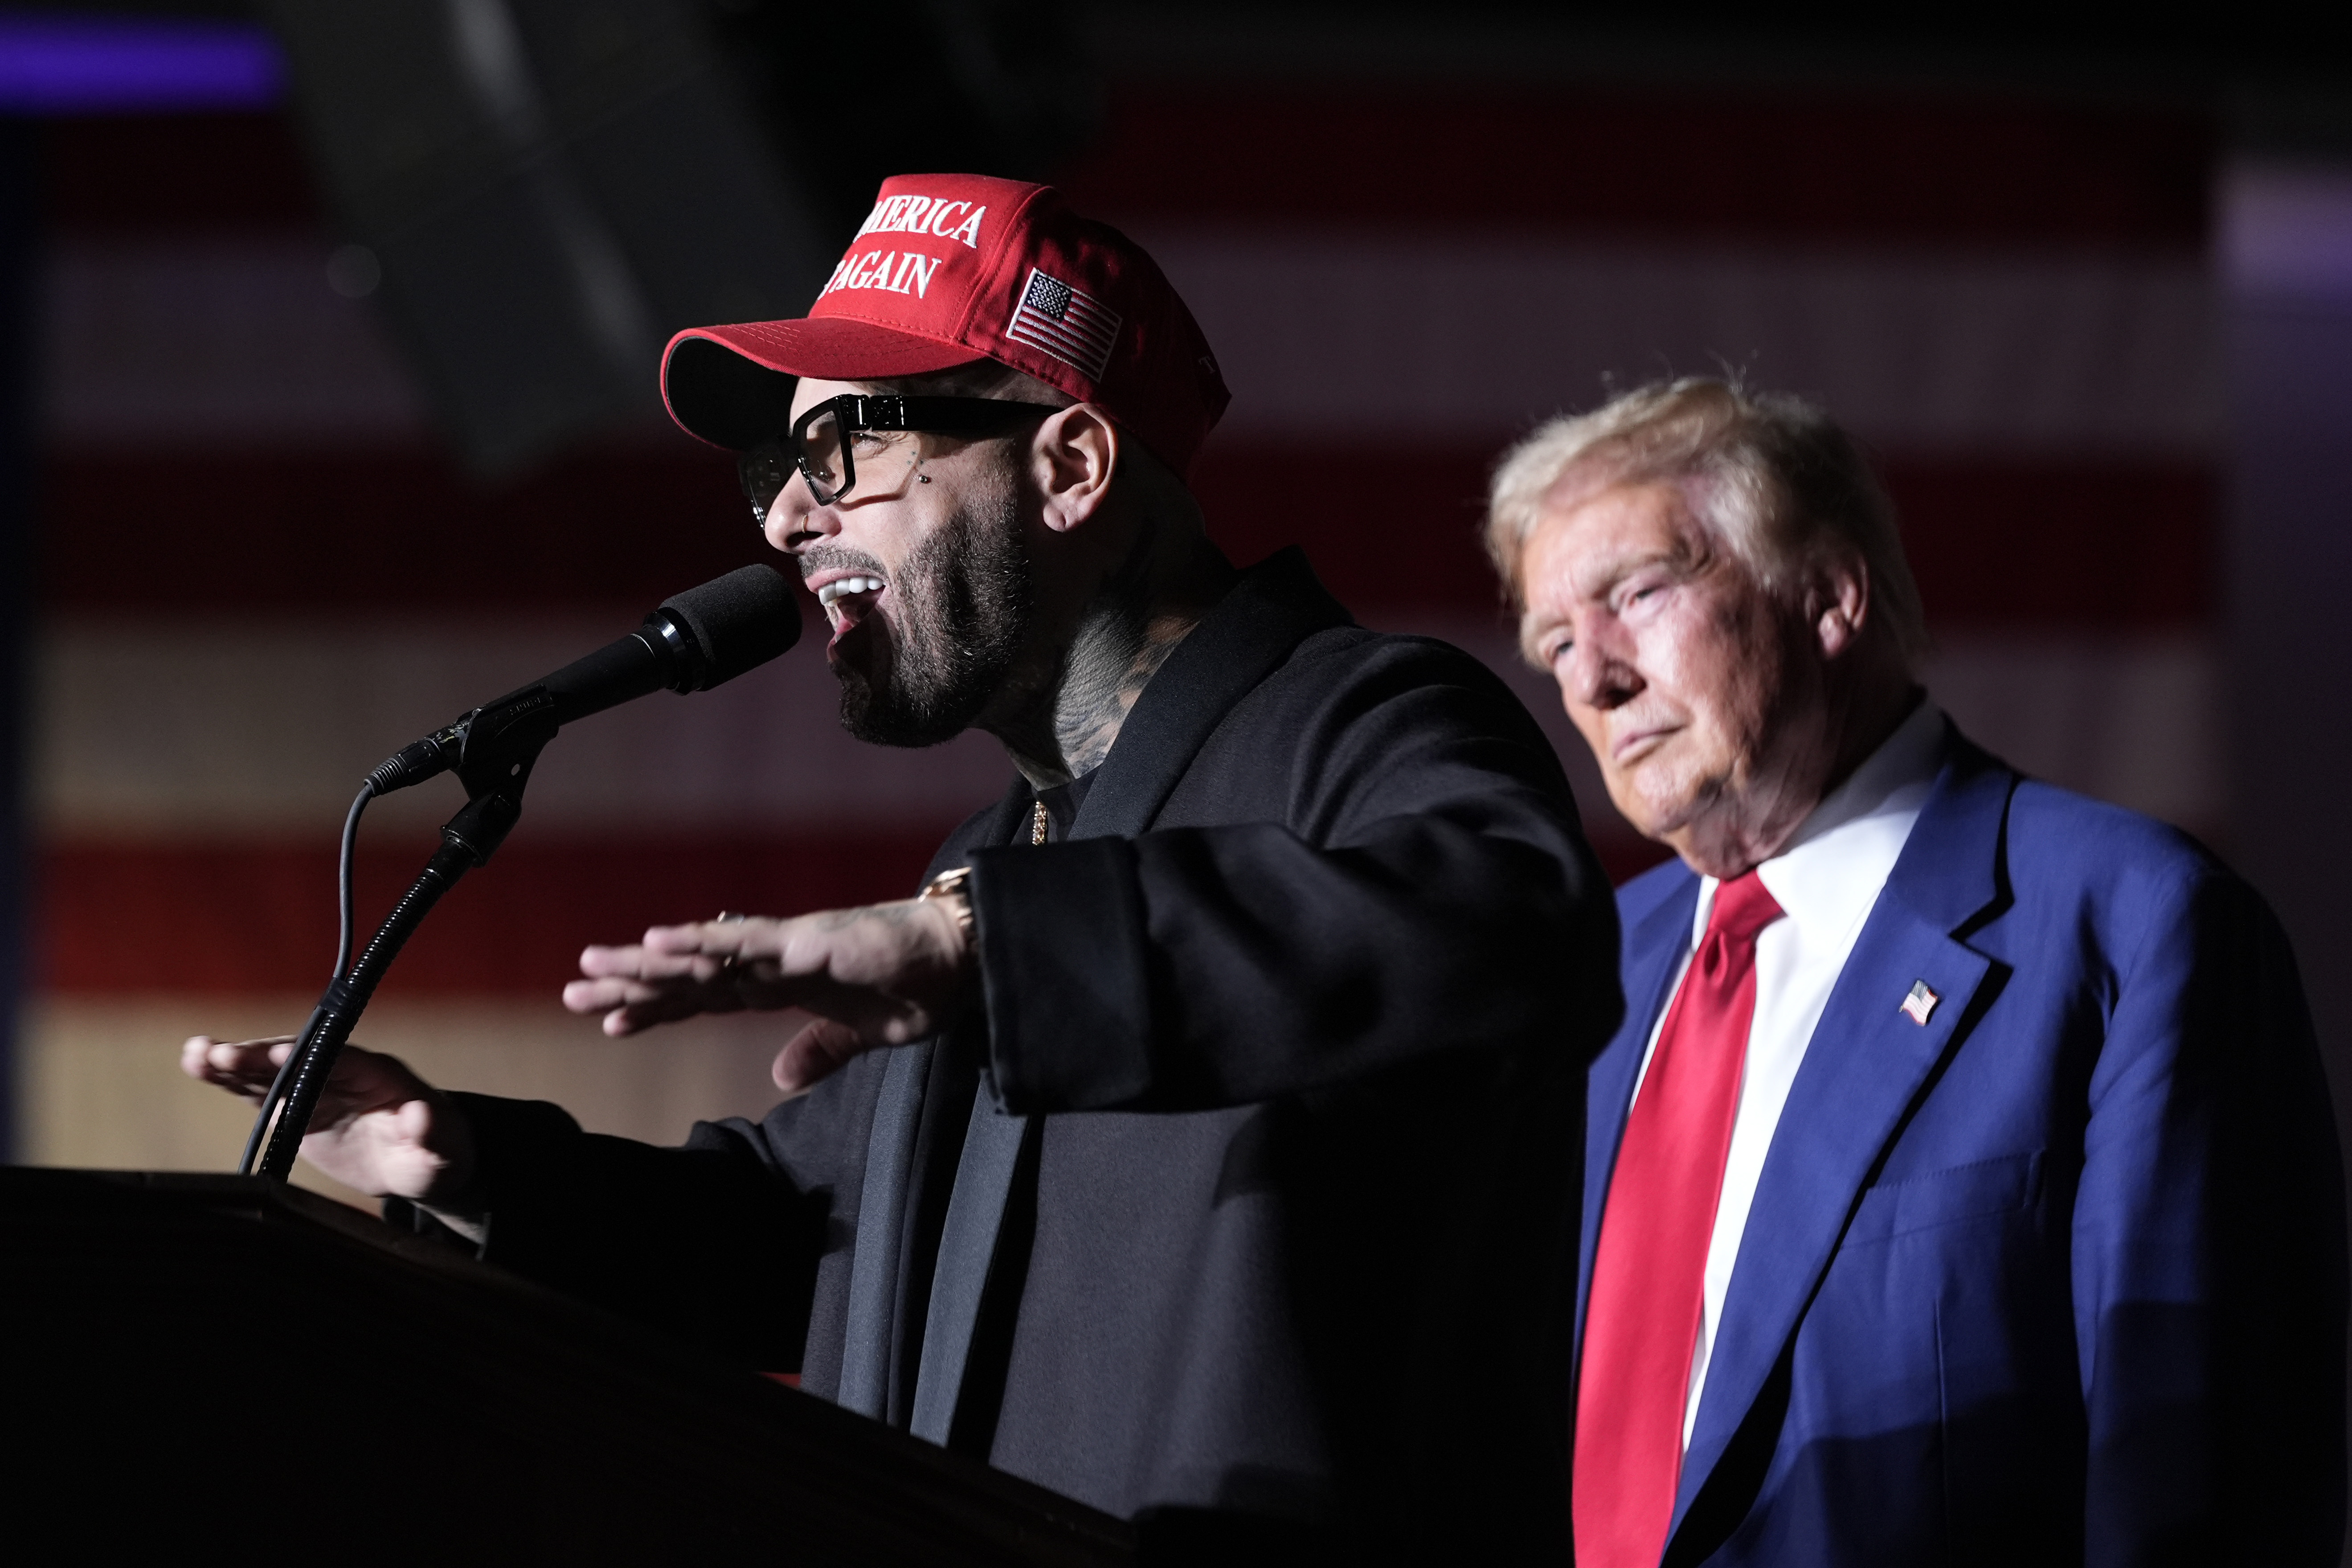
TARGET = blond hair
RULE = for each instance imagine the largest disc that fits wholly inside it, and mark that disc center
(1776, 478)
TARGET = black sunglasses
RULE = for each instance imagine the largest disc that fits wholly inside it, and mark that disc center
(821, 442)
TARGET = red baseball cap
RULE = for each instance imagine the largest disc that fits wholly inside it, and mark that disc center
(951, 268)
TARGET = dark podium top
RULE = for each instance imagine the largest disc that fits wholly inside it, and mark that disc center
(200, 1363)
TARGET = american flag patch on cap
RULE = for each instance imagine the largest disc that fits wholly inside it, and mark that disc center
(1075, 328)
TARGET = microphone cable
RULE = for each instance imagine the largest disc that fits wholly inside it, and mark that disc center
(344, 876)
(691, 642)
(276, 1098)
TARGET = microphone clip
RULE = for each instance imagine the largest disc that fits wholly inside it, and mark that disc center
(500, 741)
(491, 747)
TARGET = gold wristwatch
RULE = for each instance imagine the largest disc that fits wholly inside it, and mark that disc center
(948, 887)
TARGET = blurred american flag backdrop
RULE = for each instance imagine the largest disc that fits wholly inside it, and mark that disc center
(261, 572)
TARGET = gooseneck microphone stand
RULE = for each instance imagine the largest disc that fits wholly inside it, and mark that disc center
(693, 641)
(498, 745)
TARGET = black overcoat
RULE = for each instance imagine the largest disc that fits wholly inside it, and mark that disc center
(1298, 1016)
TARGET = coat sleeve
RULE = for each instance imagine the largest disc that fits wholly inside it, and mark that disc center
(723, 1242)
(2209, 1284)
(716, 1243)
(1427, 890)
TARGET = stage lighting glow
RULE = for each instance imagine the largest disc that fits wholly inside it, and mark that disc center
(56, 65)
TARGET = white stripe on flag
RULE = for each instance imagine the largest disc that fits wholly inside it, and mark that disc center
(2002, 351)
(170, 730)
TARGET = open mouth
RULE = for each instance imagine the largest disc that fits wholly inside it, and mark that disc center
(849, 599)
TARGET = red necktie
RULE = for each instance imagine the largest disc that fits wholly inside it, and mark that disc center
(1649, 1272)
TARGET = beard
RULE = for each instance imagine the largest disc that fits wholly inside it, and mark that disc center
(964, 610)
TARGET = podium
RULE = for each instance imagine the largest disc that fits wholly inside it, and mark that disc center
(207, 1364)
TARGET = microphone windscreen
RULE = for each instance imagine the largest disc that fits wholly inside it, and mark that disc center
(742, 621)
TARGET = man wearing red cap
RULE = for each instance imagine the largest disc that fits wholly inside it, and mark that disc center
(1203, 1144)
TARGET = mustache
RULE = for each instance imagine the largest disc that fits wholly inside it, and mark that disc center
(830, 557)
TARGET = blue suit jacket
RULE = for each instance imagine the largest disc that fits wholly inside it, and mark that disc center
(2058, 1277)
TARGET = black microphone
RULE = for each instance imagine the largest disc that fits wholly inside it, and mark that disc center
(694, 641)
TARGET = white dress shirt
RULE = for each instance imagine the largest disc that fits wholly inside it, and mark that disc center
(1825, 881)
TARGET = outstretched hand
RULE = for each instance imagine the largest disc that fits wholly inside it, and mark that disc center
(378, 1127)
(887, 975)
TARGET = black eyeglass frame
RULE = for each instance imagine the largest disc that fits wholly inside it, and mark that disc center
(760, 470)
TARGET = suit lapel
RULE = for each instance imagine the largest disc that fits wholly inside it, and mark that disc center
(1264, 616)
(1653, 954)
(875, 1334)
(1863, 1067)
(1276, 605)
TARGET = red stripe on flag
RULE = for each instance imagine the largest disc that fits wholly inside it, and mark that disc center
(1812, 164)
(151, 173)
(1806, 164)
(2060, 545)
(228, 918)
(2065, 546)
(2076, 545)
(192, 532)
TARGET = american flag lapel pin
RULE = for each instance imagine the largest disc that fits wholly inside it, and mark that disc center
(1920, 1002)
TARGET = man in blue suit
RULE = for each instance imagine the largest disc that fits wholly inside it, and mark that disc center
(1961, 1184)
